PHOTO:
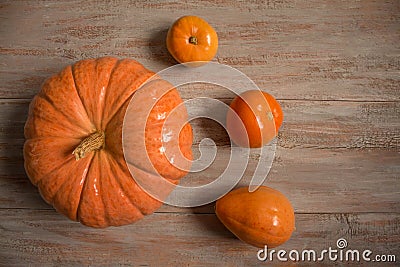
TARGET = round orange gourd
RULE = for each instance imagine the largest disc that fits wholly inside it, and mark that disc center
(263, 217)
(73, 151)
(261, 116)
(190, 39)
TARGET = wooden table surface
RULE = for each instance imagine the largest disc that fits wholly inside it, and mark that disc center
(333, 65)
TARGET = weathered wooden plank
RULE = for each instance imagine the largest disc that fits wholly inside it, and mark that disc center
(357, 125)
(324, 124)
(315, 180)
(295, 50)
(41, 238)
(337, 175)
(319, 124)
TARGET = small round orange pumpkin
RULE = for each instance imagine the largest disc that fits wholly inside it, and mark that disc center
(73, 151)
(263, 217)
(261, 116)
(190, 39)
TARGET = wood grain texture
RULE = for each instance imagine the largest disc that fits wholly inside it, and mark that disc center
(321, 156)
(184, 239)
(307, 124)
(298, 50)
(335, 67)
(314, 181)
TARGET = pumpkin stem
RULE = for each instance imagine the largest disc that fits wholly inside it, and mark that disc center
(193, 40)
(92, 142)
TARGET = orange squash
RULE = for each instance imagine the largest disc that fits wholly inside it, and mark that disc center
(73, 151)
(263, 217)
(191, 38)
(261, 116)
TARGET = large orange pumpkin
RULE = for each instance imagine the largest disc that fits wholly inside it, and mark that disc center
(73, 150)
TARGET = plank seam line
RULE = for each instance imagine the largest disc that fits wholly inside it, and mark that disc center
(212, 213)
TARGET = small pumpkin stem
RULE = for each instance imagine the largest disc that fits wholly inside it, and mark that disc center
(193, 40)
(92, 142)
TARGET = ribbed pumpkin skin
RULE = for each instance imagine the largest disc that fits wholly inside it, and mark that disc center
(92, 95)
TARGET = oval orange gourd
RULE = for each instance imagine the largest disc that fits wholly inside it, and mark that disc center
(259, 113)
(263, 217)
(73, 150)
(191, 38)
